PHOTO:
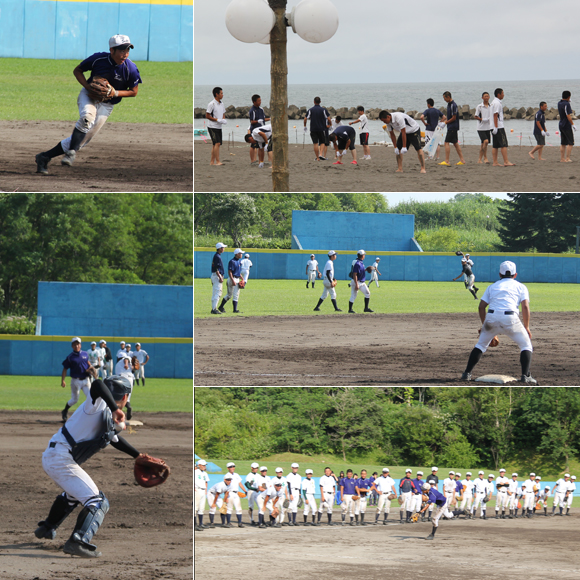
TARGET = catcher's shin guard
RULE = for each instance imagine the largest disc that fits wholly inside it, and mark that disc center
(60, 510)
(89, 521)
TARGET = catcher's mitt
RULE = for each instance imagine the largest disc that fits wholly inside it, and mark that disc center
(100, 90)
(401, 500)
(391, 496)
(135, 363)
(369, 269)
(241, 494)
(458, 253)
(286, 504)
(494, 342)
(150, 471)
(224, 509)
(242, 283)
(539, 505)
(415, 517)
(275, 512)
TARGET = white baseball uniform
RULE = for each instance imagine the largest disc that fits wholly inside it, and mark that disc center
(467, 501)
(309, 491)
(560, 492)
(480, 491)
(327, 484)
(529, 489)
(385, 486)
(253, 480)
(513, 497)
(213, 495)
(234, 499)
(328, 289)
(201, 479)
(141, 356)
(375, 274)
(572, 488)
(294, 484)
(449, 487)
(103, 369)
(312, 265)
(270, 498)
(245, 266)
(284, 482)
(502, 485)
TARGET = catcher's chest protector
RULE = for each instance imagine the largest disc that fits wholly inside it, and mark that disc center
(86, 449)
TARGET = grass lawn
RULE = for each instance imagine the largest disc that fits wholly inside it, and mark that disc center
(291, 297)
(46, 394)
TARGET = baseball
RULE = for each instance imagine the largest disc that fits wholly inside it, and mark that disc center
(122, 425)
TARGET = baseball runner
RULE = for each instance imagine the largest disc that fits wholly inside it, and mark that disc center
(95, 359)
(513, 496)
(375, 273)
(94, 425)
(294, 481)
(503, 299)
(234, 276)
(406, 489)
(327, 489)
(529, 489)
(143, 358)
(201, 479)
(467, 495)
(215, 501)
(233, 498)
(217, 277)
(435, 478)
(571, 490)
(469, 278)
(432, 496)
(362, 487)
(560, 490)
(502, 484)
(245, 266)
(329, 283)
(80, 372)
(385, 486)
(480, 487)
(312, 270)
(347, 492)
(358, 283)
(271, 499)
(113, 77)
(308, 490)
(416, 498)
(254, 484)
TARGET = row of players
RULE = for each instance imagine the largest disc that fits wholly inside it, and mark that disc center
(280, 493)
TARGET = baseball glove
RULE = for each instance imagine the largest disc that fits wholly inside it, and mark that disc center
(93, 372)
(458, 253)
(355, 497)
(494, 342)
(241, 494)
(539, 505)
(334, 282)
(300, 502)
(391, 496)
(242, 283)
(150, 471)
(485, 499)
(369, 269)
(401, 500)
(415, 517)
(275, 512)
(224, 509)
(286, 504)
(100, 90)
(135, 363)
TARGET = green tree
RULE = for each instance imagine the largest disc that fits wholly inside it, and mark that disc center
(234, 213)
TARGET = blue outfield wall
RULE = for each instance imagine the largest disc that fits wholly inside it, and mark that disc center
(347, 230)
(412, 266)
(160, 30)
(170, 358)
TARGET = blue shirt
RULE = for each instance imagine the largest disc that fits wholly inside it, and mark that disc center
(78, 363)
(235, 267)
(359, 270)
(459, 487)
(436, 497)
(349, 485)
(452, 110)
(406, 484)
(318, 116)
(217, 265)
(257, 114)
(345, 132)
(364, 483)
(123, 77)
(432, 116)
(564, 109)
(418, 483)
(540, 118)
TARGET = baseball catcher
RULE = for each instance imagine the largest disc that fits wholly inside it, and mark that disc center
(97, 423)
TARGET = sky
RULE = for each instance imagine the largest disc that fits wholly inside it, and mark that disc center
(412, 41)
(395, 198)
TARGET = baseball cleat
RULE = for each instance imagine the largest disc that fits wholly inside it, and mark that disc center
(430, 537)
(69, 158)
(222, 309)
(197, 528)
(215, 311)
(241, 525)
(466, 377)
(317, 309)
(42, 164)
(337, 310)
(368, 310)
(64, 415)
(528, 379)
(351, 312)
(43, 532)
(75, 549)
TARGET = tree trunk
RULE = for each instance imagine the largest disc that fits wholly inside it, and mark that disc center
(343, 451)
(279, 99)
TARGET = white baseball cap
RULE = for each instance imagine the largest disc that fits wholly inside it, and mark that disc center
(434, 469)
(120, 40)
(279, 469)
(309, 471)
(295, 465)
(547, 487)
(122, 342)
(490, 475)
(201, 462)
(378, 260)
(137, 344)
(566, 475)
(238, 251)
(331, 253)
(361, 253)
(501, 470)
(452, 473)
(255, 465)
(102, 341)
(468, 473)
(514, 474)
(93, 343)
(231, 464)
(506, 267)
(127, 344)
(263, 468)
(573, 477)
(419, 473)
(385, 470)
(426, 486)
(312, 255)
(480, 473)
(76, 339)
(467, 254)
(538, 477)
(247, 256)
(228, 476)
(278, 483)
(220, 245)
(408, 471)
(458, 474)
(431, 482)
(534, 475)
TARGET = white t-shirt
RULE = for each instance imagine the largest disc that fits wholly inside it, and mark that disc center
(246, 264)
(514, 486)
(309, 486)
(335, 124)
(267, 130)
(235, 484)
(201, 479)
(484, 112)
(468, 487)
(496, 107)
(528, 487)
(385, 484)
(480, 485)
(505, 294)
(364, 124)
(217, 110)
(312, 265)
(94, 356)
(561, 484)
(141, 355)
(219, 488)
(294, 481)
(328, 267)
(327, 483)
(400, 121)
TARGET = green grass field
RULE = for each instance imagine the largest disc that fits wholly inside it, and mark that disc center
(46, 90)
(45, 394)
(290, 297)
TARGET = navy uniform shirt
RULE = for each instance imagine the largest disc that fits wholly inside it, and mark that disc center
(217, 265)
(459, 487)
(349, 485)
(564, 109)
(432, 116)
(359, 268)
(122, 77)
(344, 133)
(540, 118)
(418, 484)
(406, 484)
(318, 116)
(235, 267)
(452, 110)
(78, 363)
(364, 484)
(436, 497)
(257, 114)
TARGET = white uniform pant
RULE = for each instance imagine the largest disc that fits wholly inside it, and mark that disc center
(569, 500)
(501, 501)
(68, 474)
(218, 503)
(261, 504)
(294, 502)
(449, 496)
(559, 498)
(529, 501)
(199, 501)
(103, 370)
(507, 324)
(328, 501)
(217, 290)
(439, 511)
(312, 276)
(234, 502)
(245, 275)
(513, 501)
(310, 504)
(139, 373)
(408, 498)
(270, 507)
(328, 289)
(347, 504)
(374, 278)
(233, 291)
(360, 505)
(75, 387)
(416, 502)
(384, 503)
(252, 497)
(470, 281)
(466, 502)
(479, 497)
(92, 116)
(362, 287)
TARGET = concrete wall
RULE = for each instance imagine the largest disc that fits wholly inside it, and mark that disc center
(340, 230)
(161, 30)
(143, 310)
(419, 266)
(43, 355)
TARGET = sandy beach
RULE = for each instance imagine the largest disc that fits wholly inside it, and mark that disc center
(378, 174)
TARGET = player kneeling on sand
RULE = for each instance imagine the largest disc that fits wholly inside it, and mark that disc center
(503, 299)
(95, 424)
(113, 77)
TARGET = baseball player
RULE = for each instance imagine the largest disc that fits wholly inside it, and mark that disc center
(279, 477)
(449, 488)
(458, 489)
(94, 109)
(502, 484)
(128, 350)
(271, 499)
(124, 368)
(294, 481)
(469, 278)
(480, 487)
(539, 489)
(432, 496)
(571, 490)
(95, 359)
(94, 425)
(560, 490)
(201, 479)
(329, 283)
(215, 501)
(308, 487)
(102, 370)
(375, 273)
(503, 299)
(143, 358)
(529, 489)
(327, 489)
(469, 261)
(385, 486)
(406, 488)
(543, 496)
(254, 484)
(416, 498)
(362, 487)
(347, 492)
(245, 266)
(312, 270)
(234, 275)
(234, 498)
(467, 495)
(121, 352)
(358, 283)
(488, 494)
(513, 496)
(217, 277)
(107, 368)
(435, 478)
(80, 372)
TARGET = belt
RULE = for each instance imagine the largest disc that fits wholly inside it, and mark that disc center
(506, 312)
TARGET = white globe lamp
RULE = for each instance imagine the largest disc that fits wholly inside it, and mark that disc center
(250, 20)
(314, 20)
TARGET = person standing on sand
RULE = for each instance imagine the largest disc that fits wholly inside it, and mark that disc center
(318, 123)
(216, 116)
(430, 118)
(409, 135)
(499, 137)
(540, 131)
(567, 127)
(452, 136)
(483, 116)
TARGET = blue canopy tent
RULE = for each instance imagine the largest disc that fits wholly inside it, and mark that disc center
(210, 467)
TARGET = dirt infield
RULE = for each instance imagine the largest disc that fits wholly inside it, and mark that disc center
(479, 550)
(374, 349)
(122, 157)
(147, 533)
